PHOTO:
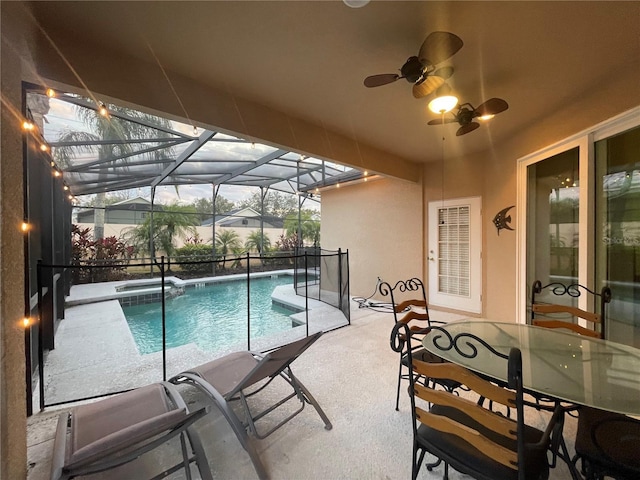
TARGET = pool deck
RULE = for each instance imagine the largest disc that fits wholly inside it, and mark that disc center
(94, 338)
(352, 373)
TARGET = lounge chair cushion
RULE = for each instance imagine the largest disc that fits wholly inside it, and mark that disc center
(225, 373)
(109, 424)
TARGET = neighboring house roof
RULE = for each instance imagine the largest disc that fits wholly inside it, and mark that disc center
(138, 204)
(136, 201)
(233, 217)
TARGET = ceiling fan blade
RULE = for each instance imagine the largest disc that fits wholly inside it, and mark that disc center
(492, 107)
(382, 79)
(444, 72)
(428, 85)
(439, 46)
(440, 121)
(469, 127)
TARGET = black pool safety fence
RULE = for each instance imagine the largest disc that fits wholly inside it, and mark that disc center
(104, 327)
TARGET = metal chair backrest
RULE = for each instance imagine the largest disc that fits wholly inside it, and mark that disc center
(562, 315)
(402, 306)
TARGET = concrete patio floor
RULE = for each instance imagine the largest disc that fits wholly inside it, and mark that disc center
(352, 372)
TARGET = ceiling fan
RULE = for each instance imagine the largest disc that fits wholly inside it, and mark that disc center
(421, 70)
(466, 115)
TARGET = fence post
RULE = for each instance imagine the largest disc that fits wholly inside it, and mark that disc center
(340, 277)
(40, 331)
(248, 303)
(306, 291)
(164, 324)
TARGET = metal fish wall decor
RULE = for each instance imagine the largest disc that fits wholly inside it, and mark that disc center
(502, 220)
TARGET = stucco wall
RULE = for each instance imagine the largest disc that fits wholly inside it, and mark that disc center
(493, 176)
(380, 223)
(15, 61)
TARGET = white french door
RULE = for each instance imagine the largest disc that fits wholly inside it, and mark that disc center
(454, 257)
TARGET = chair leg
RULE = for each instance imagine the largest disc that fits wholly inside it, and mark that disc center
(201, 457)
(312, 401)
(415, 468)
(398, 390)
(236, 425)
(431, 466)
(185, 456)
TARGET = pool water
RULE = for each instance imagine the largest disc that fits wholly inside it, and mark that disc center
(213, 316)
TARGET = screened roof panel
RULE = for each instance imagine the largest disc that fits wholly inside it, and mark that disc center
(125, 149)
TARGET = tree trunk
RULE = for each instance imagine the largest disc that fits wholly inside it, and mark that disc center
(98, 229)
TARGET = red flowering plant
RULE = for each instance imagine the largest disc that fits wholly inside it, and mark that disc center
(110, 254)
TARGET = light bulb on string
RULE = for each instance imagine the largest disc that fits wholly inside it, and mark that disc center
(28, 126)
(51, 93)
(102, 109)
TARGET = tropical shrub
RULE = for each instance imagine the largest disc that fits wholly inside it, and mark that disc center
(195, 252)
(88, 252)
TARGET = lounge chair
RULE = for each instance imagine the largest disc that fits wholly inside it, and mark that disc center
(108, 433)
(241, 375)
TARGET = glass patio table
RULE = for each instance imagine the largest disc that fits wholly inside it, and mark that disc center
(559, 365)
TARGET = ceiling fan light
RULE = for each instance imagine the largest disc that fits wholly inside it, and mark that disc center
(486, 117)
(443, 104)
(355, 3)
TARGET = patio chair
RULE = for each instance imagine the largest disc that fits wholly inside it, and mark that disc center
(607, 444)
(418, 321)
(108, 433)
(469, 437)
(241, 375)
(557, 315)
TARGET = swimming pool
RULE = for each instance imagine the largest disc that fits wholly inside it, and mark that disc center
(213, 316)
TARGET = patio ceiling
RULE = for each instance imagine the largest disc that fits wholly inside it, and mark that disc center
(561, 66)
(125, 149)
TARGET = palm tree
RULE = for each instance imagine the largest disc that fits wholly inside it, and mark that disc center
(257, 241)
(227, 241)
(310, 226)
(109, 128)
(171, 222)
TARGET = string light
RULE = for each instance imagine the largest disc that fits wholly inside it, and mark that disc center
(44, 147)
(28, 126)
(195, 130)
(65, 188)
(56, 173)
(26, 321)
(337, 185)
(52, 163)
(102, 110)
(24, 227)
(51, 93)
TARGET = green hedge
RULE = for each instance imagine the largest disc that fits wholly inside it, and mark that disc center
(195, 253)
